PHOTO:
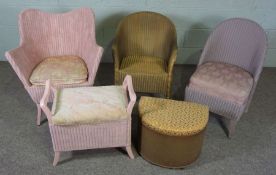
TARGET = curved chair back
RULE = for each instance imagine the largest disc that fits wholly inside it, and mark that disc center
(49, 34)
(146, 34)
(237, 41)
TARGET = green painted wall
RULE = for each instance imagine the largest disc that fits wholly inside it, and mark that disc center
(194, 20)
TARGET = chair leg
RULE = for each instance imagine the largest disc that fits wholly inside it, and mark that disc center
(56, 158)
(169, 88)
(247, 107)
(168, 93)
(129, 152)
(230, 126)
(38, 118)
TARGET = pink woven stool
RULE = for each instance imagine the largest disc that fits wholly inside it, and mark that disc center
(90, 117)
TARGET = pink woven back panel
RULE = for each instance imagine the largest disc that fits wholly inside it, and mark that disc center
(49, 34)
(237, 41)
(146, 33)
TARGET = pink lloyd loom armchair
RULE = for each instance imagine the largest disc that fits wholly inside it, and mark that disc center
(74, 124)
(60, 47)
(229, 69)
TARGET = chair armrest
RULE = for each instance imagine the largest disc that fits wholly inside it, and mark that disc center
(92, 56)
(54, 105)
(45, 99)
(116, 55)
(22, 62)
(172, 58)
(258, 62)
(127, 85)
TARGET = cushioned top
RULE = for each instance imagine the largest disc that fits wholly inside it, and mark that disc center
(222, 80)
(60, 70)
(89, 105)
(170, 117)
(143, 64)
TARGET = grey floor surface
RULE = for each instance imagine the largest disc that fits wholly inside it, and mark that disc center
(26, 148)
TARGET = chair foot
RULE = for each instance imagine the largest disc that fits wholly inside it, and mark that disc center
(129, 152)
(230, 126)
(56, 158)
(246, 109)
(168, 94)
(38, 118)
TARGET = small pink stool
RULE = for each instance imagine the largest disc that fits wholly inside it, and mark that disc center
(75, 124)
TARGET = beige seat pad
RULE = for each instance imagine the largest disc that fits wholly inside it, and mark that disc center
(60, 70)
(90, 105)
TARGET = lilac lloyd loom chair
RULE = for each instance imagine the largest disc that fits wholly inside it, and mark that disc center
(90, 117)
(60, 47)
(229, 69)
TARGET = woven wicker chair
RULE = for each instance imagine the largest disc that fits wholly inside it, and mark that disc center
(45, 35)
(145, 47)
(229, 69)
(102, 132)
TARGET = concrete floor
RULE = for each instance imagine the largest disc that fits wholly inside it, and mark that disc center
(27, 149)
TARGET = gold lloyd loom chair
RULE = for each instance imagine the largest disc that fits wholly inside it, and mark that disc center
(145, 47)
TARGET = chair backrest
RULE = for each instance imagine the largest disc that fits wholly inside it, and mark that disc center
(237, 41)
(52, 34)
(147, 34)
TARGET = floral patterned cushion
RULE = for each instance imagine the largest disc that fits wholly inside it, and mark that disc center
(89, 105)
(60, 70)
(222, 80)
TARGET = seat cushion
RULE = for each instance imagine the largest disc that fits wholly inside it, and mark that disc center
(60, 70)
(148, 73)
(143, 64)
(171, 117)
(222, 80)
(89, 105)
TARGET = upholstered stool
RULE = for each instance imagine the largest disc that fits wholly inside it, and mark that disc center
(172, 131)
(90, 117)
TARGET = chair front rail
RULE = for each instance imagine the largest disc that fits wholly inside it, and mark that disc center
(45, 99)
(172, 60)
(127, 85)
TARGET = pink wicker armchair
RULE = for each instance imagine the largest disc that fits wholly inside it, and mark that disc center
(45, 35)
(86, 130)
(229, 69)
